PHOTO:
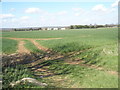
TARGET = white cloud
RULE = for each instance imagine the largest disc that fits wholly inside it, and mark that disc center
(77, 9)
(6, 16)
(77, 14)
(24, 18)
(33, 10)
(62, 13)
(14, 20)
(113, 9)
(99, 7)
(4, 20)
(12, 9)
(115, 4)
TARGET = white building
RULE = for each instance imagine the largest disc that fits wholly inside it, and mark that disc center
(62, 28)
(55, 28)
(49, 28)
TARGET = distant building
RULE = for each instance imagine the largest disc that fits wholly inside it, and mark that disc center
(49, 28)
(55, 28)
(63, 28)
(36, 28)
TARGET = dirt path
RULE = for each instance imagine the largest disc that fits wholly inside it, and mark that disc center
(21, 48)
(39, 46)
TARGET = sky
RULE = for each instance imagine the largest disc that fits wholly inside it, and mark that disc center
(40, 14)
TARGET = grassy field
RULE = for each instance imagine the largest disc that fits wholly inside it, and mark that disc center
(98, 47)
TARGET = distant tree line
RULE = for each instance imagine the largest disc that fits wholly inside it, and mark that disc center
(27, 29)
(91, 26)
(69, 27)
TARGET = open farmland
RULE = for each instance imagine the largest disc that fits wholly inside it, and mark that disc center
(85, 58)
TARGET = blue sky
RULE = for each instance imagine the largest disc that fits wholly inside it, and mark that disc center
(36, 14)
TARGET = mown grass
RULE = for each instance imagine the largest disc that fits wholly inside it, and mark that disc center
(9, 46)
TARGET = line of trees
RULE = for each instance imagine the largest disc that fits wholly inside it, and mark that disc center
(70, 27)
(27, 29)
(90, 26)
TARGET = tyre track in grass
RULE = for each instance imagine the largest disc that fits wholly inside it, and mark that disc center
(22, 49)
(66, 59)
(81, 63)
(40, 47)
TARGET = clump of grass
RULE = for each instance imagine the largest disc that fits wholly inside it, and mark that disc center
(9, 46)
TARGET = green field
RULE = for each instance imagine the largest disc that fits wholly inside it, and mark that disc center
(9, 46)
(98, 47)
